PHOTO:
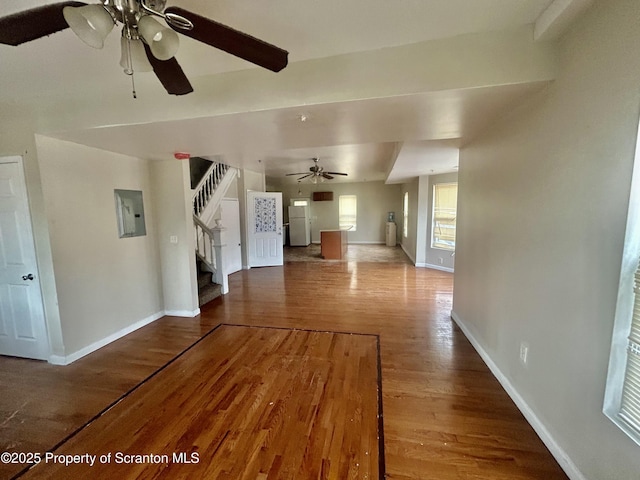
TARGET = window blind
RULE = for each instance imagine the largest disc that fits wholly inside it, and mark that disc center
(347, 211)
(445, 203)
(630, 404)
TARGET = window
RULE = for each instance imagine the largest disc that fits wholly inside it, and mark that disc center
(347, 211)
(445, 202)
(630, 401)
(300, 202)
(622, 397)
(622, 393)
(405, 215)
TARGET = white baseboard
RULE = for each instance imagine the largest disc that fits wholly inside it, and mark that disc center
(559, 454)
(366, 242)
(434, 267)
(362, 242)
(57, 360)
(66, 360)
(182, 313)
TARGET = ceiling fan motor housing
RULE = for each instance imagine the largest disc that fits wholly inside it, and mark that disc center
(124, 11)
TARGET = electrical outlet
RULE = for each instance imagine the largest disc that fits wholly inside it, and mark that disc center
(173, 239)
(524, 352)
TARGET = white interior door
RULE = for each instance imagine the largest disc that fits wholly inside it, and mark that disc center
(230, 216)
(23, 332)
(264, 229)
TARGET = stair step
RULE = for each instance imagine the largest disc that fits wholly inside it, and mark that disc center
(209, 292)
(204, 278)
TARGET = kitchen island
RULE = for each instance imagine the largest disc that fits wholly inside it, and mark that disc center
(333, 244)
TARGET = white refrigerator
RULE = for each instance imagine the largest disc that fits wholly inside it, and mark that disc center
(299, 228)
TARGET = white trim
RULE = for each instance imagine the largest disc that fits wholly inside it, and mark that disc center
(450, 250)
(182, 313)
(66, 360)
(57, 360)
(357, 242)
(556, 450)
(218, 194)
(434, 267)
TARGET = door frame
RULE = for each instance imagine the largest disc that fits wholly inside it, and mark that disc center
(252, 258)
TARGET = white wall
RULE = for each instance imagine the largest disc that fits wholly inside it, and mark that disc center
(173, 209)
(375, 200)
(104, 284)
(541, 218)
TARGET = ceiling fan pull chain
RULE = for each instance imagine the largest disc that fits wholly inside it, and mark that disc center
(133, 86)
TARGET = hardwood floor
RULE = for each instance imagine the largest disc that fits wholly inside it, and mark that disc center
(444, 415)
(245, 402)
(355, 253)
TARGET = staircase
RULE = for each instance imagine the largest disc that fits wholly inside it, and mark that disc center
(207, 289)
(212, 280)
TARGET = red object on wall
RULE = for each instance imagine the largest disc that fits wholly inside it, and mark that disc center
(182, 156)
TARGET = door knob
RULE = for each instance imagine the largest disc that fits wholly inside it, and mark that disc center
(28, 277)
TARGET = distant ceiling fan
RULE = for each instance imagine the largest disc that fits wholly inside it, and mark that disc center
(317, 173)
(146, 44)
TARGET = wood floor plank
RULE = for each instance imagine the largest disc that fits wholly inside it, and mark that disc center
(246, 401)
(445, 416)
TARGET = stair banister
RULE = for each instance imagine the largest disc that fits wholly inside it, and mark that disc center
(207, 186)
(209, 249)
(206, 199)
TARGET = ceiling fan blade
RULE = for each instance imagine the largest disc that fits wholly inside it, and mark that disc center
(232, 41)
(337, 173)
(308, 175)
(289, 174)
(327, 176)
(170, 74)
(35, 23)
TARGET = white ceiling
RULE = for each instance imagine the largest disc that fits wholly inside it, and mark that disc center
(393, 138)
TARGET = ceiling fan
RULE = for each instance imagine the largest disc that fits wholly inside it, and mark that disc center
(317, 173)
(146, 44)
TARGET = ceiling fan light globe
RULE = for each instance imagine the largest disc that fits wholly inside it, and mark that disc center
(138, 61)
(91, 23)
(162, 41)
